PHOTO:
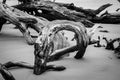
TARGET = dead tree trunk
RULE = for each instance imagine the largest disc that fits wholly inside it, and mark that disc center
(57, 12)
(22, 20)
(54, 11)
(45, 48)
(88, 12)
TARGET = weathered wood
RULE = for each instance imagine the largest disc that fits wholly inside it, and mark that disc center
(46, 48)
(15, 65)
(113, 14)
(49, 8)
(41, 55)
(82, 39)
(117, 51)
(54, 11)
(111, 18)
(5, 73)
(22, 20)
(110, 43)
(88, 12)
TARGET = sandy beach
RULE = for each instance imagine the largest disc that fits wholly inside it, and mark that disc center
(97, 64)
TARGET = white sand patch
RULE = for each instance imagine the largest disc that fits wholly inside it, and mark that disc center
(97, 64)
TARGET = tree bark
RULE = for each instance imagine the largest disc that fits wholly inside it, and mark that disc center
(22, 20)
(57, 12)
(54, 11)
(88, 12)
(5, 73)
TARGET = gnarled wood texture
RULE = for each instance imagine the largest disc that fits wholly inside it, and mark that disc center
(5, 73)
(46, 49)
(21, 20)
(53, 11)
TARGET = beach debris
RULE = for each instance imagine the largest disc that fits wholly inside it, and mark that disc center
(100, 27)
(22, 20)
(62, 11)
(105, 31)
(47, 48)
(98, 43)
(110, 46)
(6, 67)
(5, 73)
(68, 11)
(117, 51)
(47, 9)
(51, 45)
(109, 43)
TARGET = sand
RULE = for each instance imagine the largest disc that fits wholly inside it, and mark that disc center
(97, 64)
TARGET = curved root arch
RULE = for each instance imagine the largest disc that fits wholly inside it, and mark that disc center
(81, 37)
(78, 28)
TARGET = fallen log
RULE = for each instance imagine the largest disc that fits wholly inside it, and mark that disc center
(88, 12)
(54, 11)
(22, 20)
(49, 8)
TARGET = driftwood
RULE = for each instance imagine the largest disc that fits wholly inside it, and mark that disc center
(98, 42)
(22, 20)
(112, 18)
(110, 46)
(46, 49)
(45, 46)
(110, 43)
(4, 68)
(49, 31)
(54, 11)
(104, 31)
(5, 73)
(117, 51)
(90, 13)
